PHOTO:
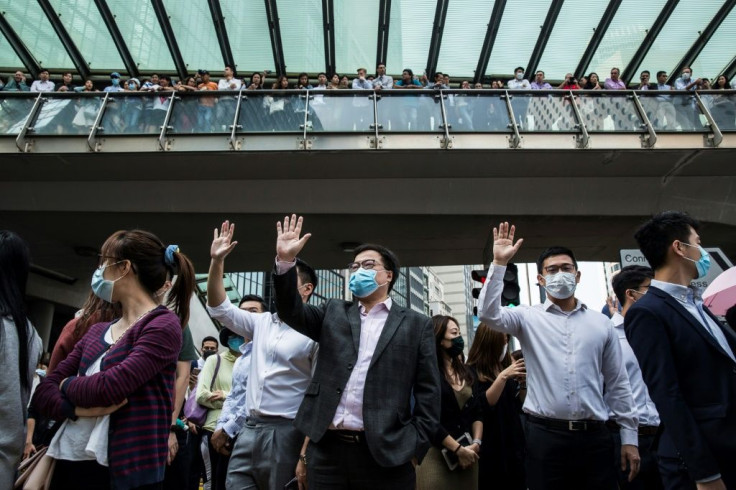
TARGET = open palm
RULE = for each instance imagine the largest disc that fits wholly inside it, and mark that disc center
(288, 243)
(222, 243)
(504, 247)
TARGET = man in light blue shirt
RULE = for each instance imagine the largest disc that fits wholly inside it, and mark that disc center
(570, 352)
(686, 357)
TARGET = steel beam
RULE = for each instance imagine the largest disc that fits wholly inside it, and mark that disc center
(435, 42)
(649, 39)
(117, 38)
(66, 40)
(549, 24)
(384, 17)
(168, 32)
(19, 47)
(272, 15)
(328, 25)
(730, 70)
(598, 34)
(221, 31)
(705, 36)
(485, 52)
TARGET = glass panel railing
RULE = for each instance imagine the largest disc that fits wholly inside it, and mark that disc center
(477, 111)
(67, 114)
(340, 111)
(277, 111)
(409, 111)
(14, 111)
(131, 113)
(722, 106)
(197, 113)
(543, 111)
(609, 111)
(672, 111)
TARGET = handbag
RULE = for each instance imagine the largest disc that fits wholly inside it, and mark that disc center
(26, 467)
(193, 411)
(39, 477)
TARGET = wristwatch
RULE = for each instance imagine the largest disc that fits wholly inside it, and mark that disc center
(477, 441)
(303, 459)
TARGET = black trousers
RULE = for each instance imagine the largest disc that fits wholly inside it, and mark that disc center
(218, 464)
(336, 464)
(177, 473)
(559, 459)
(86, 475)
(648, 477)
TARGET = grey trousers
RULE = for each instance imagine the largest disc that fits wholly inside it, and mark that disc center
(264, 455)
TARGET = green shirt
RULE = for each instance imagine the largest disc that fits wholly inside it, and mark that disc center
(187, 352)
(223, 382)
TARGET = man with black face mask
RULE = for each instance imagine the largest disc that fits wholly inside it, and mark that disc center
(571, 352)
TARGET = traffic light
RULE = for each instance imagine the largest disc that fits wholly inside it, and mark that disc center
(480, 276)
(511, 289)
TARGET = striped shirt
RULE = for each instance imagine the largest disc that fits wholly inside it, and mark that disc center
(140, 367)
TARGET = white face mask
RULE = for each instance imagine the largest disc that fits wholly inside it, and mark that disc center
(561, 285)
(686, 76)
(503, 352)
(519, 76)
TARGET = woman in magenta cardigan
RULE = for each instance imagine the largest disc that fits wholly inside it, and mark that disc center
(115, 389)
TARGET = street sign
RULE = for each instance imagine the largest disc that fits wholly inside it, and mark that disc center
(718, 263)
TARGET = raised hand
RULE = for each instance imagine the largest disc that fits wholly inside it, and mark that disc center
(517, 370)
(288, 243)
(222, 243)
(504, 247)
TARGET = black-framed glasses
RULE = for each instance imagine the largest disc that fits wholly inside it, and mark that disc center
(554, 269)
(367, 264)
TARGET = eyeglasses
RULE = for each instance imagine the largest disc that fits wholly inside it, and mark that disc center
(554, 269)
(104, 258)
(367, 264)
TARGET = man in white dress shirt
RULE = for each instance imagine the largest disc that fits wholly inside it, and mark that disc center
(269, 449)
(630, 284)
(43, 84)
(571, 352)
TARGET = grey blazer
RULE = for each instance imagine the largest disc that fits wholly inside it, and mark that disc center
(404, 363)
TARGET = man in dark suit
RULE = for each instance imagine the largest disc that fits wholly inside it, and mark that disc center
(687, 359)
(373, 357)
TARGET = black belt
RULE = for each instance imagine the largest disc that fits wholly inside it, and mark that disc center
(346, 436)
(571, 425)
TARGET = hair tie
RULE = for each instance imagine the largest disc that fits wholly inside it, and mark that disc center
(169, 255)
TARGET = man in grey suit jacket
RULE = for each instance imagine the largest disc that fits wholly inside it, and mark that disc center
(374, 356)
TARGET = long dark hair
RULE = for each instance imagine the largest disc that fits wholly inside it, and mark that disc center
(485, 353)
(15, 263)
(147, 255)
(95, 310)
(440, 323)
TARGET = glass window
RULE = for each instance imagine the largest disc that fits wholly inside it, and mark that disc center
(272, 112)
(680, 31)
(356, 36)
(719, 51)
(195, 34)
(302, 35)
(34, 28)
(13, 113)
(465, 29)
(545, 113)
(331, 110)
(630, 25)
(475, 112)
(409, 110)
(83, 22)
(607, 112)
(409, 35)
(516, 36)
(8, 58)
(569, 38)
(139, 27)
(247, 31)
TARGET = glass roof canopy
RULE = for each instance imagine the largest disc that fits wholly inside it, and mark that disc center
(473, 39)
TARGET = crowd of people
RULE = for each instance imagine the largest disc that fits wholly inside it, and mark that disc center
(366, 393)
(214, 113)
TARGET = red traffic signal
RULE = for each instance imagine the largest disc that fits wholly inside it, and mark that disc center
(479, 275)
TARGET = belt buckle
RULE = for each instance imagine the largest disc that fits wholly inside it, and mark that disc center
(576, 425)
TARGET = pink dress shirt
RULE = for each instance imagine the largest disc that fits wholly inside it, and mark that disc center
(614, 85)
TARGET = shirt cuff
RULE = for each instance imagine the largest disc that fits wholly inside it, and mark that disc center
(231, 428)
(709, 479)
(630, 437)
(283, 267)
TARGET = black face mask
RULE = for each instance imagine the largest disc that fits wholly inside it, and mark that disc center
(208, 353)
(458, 344)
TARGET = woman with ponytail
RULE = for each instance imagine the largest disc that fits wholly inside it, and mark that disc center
(20, 348)
(115, 389)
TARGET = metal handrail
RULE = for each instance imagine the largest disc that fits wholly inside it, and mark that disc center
(162, 142)
(515, 141)
(650, 138)
(92, 138)
(235, 126)
(20, 141)
(584, 136)
(717, 137)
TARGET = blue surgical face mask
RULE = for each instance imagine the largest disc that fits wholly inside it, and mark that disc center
(234, 343)
(686, 75)
(101, 287)
(363, 282)
(703, 263)
(519, 75)
(41, 373)
(115, 81)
